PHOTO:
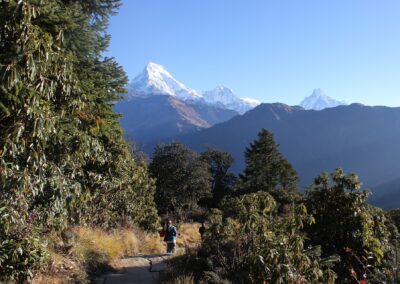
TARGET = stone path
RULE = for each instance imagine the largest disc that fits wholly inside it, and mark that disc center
(138, 269)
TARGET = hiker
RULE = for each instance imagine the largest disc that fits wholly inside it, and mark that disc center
(202, 230)
(169, 233)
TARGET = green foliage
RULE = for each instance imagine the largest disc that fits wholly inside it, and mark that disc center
(219, 163)
(347, 226)
(182, 178)
(394, 215)
(393, 224)
(21, 250)
(267, 170)
(63, 160)
(251, 244)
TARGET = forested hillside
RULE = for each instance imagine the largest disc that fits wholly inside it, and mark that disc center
(262, 229)
(361, 139)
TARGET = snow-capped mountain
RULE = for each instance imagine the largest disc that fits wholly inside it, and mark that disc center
(224, 97)
(319, 100)
(158, 106)
(155, 80)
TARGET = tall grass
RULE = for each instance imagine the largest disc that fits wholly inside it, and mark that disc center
(188, 235)
(93, 251)
(97, 246)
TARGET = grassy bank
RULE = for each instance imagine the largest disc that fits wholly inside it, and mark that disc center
(82, 253)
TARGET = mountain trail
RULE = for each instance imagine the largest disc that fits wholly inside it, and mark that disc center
(137, 269)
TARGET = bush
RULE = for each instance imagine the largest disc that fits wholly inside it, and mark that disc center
(21, 251)
(252, 244)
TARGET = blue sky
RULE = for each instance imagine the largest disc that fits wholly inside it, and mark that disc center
(274, 51)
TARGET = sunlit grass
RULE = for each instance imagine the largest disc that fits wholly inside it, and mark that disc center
(94, 250)
(188, 235)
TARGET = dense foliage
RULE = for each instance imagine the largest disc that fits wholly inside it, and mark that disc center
(250, 244)
(182, 178)
(63, 160)
(346, 225)
(394, 215)
(222, 182)
(266, 232)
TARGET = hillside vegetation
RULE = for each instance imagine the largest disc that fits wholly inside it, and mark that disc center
(75, 197)
(63, 160)
(359, 138)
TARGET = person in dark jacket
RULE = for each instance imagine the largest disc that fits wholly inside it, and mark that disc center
(202, 230)
(170, 234)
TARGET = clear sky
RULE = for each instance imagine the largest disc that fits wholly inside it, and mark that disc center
(274, 51)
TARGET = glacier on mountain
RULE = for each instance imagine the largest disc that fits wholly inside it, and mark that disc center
(318, 100)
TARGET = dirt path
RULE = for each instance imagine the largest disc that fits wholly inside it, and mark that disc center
(138, 269)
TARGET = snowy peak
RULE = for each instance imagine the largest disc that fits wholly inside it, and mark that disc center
(318, 100)
(220, 95)
(155, 80)
(224, 97)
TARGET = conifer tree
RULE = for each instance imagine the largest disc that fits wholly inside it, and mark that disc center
(267, 170)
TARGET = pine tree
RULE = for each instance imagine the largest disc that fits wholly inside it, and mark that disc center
(267, 170)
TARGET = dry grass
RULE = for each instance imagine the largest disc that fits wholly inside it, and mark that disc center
(152, 244)
(189, 235)
(94, 250)
(61, 269)
(111, 246)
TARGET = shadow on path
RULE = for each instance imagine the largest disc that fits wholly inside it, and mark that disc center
(137, 269)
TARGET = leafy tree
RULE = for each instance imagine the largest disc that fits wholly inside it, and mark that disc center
(63, 160)
(267, 170)
(219, 163)
(347, 226)
(138, 155)
(394, 215)
(394, 221)
(182, 178)
(247, 242)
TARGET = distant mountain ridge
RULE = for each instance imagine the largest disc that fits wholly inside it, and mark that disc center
(359, 138)
(155, 118)
(157, 106)
(318, 100)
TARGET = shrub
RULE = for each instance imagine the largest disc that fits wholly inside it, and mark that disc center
(252, 245)
(21, 250)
